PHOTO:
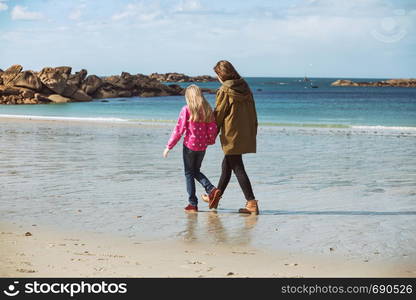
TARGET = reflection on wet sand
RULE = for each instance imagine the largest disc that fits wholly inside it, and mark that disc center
(215, 228)
(210, 228)
(191, 224)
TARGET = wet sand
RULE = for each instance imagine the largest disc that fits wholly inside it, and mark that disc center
(36, 251)
(105, 203)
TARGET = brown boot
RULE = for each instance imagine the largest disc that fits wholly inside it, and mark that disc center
(213, 198)
(251, 208)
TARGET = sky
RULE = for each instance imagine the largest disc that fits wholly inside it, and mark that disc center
(319, 38)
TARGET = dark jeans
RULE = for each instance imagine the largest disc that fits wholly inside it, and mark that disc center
(235, 163)
(192, 161)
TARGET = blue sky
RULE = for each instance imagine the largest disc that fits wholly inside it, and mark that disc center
(322, 38)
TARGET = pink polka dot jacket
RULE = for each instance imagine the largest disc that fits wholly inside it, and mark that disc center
(198, 135)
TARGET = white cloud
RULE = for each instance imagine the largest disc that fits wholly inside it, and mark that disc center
(188, 6)
(77, 12)
(121, 15)
(22, 13)
(75, 15)
(139, 12)
(3, 6)
(350, 9)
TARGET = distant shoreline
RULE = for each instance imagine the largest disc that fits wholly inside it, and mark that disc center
(407, 83)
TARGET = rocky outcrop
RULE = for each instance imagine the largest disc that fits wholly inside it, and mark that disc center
(54, 78)
(58, 98)
(203, 78)
(27, 79)
(127, 85)
(12, 95)
(59, 85)
(10, 74)
(77, 78)
(91, 84)
(41, 98)
(385, 83)
(179, 77)
(80, 95)
(402, 82)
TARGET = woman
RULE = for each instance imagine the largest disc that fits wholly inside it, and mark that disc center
(236, 118)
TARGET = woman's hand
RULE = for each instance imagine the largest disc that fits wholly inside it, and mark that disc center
(165, 153)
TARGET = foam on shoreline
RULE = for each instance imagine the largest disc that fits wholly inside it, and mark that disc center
(368, 129)
(392, 128)
(58, 118)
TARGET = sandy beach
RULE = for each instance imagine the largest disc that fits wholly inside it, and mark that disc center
(98, 201)
(315, 108)
(36, 251)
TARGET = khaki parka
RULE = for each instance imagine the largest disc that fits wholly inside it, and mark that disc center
(236, 117)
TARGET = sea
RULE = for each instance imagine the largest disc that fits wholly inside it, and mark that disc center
(279, 102)
(335, 169)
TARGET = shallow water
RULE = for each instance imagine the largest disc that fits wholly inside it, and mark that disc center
(350, 190)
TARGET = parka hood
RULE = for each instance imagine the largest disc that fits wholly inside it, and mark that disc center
(238, 87)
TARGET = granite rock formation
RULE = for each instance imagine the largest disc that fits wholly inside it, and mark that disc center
(59, 85)
(384, 83)
(179, 77)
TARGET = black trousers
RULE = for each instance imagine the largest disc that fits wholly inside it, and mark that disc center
(235, 163)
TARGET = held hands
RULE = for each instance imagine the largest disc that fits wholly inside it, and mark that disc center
(165, 153)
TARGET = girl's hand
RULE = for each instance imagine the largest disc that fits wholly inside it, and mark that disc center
(165, 153)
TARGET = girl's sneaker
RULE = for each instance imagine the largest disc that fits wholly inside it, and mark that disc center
(191, 208)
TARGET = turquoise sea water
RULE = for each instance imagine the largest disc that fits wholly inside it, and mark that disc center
(280, 102)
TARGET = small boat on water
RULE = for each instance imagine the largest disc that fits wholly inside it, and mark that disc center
(311, 85)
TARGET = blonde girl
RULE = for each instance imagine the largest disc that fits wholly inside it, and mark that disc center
(197, 122)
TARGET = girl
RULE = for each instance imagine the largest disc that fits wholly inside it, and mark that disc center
(236, 118)
(196, 120)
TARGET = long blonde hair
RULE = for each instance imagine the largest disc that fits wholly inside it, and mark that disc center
(199, 107)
